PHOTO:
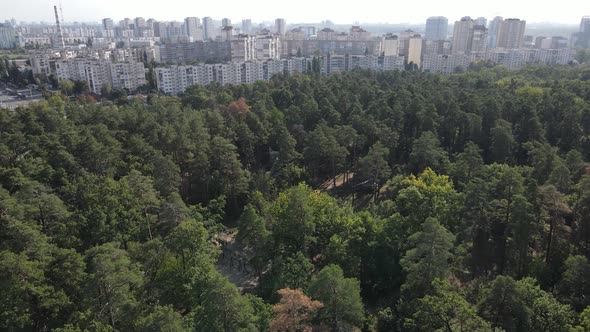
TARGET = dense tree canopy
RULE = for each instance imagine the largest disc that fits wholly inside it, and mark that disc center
(396, 201)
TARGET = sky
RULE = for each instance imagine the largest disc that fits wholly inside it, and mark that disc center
(298, 11)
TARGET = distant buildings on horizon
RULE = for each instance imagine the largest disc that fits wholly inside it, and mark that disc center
(194, 42)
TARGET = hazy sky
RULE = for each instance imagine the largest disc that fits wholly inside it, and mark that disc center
(343, 11)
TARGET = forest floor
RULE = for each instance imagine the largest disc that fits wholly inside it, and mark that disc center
(233, 262)
(341, 179)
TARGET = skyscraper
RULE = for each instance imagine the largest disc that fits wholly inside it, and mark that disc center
(246, 25)
(582, 38)
(511, 33)
(436, 28)
(140, 23)
(225, 22)
(208, 28)
(108, 26)
(125, 23)
(150, 23)
(481, 21)
(7, 36)
(191, 25)
(493, 31)
(280, 26)
(462, 35)
(478, 39)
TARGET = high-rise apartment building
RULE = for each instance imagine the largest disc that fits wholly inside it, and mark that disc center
(389, 45)
(493, 31)
(108, 25)
(582, 38)
(8, 36)
(481, 21)
(436, 28)
(150, 23)
(243, 48)
(479, 39)
(268, 47)
(97, 73)
(414, 54)
(191, 26)
(358, 33)
(462, 35)
(246, 25)
(280, 26)
(511, 33)
(140, 23)
(208, 29)
(125, 23)
(225, 22)
(161, 29)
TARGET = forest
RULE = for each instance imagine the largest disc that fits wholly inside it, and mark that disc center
(361, 201)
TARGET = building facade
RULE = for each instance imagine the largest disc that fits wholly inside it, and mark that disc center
(436, 28)
(511, 33)
(462, 35)
(280, 26)
(98, 73)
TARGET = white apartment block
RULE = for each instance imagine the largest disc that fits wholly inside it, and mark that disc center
(331, 64)
(510, 58)
(176, 79)
(389, 45)
(99, 72)
(243, 48)
(268, 47)
(446, 63)
(129, 75)
(40, 64)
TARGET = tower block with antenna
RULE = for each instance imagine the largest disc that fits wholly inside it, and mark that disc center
(60, 35)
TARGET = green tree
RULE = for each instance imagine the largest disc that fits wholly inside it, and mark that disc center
(161, 319)
(222, 308)
(426, 152)
(323, 152)
(581, 209)
(343, 308)
(503, 305)
(67, 87)
(374, 168)
(502, 141)
(574, 286)
(112, 285)
(547, 314)
(447, 310)
(428, 259)
(469, 164)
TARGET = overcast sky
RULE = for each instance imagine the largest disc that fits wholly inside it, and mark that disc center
(342, 12)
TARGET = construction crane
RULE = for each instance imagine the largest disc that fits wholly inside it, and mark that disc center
(60, 34)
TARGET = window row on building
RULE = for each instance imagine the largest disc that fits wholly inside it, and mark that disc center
(512, 59)
(98, 73)
(176, 79)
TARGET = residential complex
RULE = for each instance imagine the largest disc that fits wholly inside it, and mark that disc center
(176, 79)
(512, 59)
(204, 50)
(98, 73)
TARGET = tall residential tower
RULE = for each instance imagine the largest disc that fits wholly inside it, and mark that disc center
(436, 28)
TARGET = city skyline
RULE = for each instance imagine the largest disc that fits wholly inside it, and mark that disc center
(568, 11)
